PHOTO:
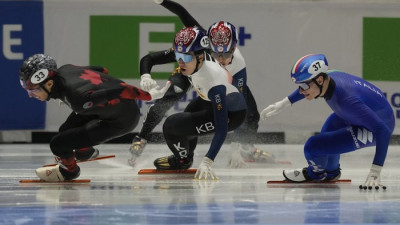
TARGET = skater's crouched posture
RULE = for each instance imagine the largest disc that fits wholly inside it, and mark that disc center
(223, 47)
(218, 109)
(103, 108)
(362, 117)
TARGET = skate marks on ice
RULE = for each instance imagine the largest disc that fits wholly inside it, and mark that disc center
(117, 194)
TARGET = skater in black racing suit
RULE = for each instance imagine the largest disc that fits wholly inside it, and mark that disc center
(244, 135)
(103, 108)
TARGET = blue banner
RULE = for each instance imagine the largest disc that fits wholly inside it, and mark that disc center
(22, 36)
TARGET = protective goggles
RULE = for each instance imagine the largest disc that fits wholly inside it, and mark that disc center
(184, 57)
(31, 88)
(33, 91)
(225, 55)
(305, 86)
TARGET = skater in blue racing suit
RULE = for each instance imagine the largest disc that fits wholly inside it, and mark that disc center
(362, 117)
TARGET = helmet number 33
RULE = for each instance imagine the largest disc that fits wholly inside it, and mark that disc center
(39, 76)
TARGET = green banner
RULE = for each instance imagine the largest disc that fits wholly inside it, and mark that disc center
(118, 42)
(381, 49)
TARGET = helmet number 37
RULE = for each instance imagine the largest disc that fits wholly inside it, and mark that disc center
(316, 67)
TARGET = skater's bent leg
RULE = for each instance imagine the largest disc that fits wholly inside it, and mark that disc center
(155, 115)
(76, 120)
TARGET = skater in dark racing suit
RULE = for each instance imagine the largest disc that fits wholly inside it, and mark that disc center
(218, 109)
(103, 108)
(179, 87)
(231, 58)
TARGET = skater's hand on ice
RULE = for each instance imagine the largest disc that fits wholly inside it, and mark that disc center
(236, 160)
(157, 93)
(275, 108)
(147, 83)
(374, 178)
(205, 171)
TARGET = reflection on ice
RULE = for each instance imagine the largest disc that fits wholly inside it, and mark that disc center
(118, 195)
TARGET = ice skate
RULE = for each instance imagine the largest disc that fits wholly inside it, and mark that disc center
(301, 175)
(51, 174)
(67, 169)
(297, 175)
(252, 154)
(56, 173)
(172, 163)
(84, 154)
(262, 156)
(138, 145)
(333, 175)
(136, 149)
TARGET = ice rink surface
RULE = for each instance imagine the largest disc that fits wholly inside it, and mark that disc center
(118, 195)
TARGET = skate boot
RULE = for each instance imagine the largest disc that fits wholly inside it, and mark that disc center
(84, 154)
(138, 145)
(262, 156)
(301, 175)
(173, 163)
(333, 175)
(252, 154)
(136, 149)
(67, 169)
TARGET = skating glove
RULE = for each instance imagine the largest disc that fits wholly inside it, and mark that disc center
(147, 83)
(236, 160)
(205, 171)
(157, 93)
(275, 108)
(158, 1)
(373, 179)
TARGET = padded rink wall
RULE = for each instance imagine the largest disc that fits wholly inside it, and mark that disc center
(358, 37)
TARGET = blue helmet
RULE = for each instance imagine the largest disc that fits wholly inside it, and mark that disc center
(308, 67)
(190, 39)
(223, 36)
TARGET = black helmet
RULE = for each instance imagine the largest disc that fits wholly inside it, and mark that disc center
(37, 69)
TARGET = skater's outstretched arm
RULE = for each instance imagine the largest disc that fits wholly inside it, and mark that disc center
(147, 63)
(181, 12)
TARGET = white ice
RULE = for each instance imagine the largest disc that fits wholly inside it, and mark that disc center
(118, 195)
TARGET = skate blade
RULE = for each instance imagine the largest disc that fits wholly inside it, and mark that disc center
(95, 159)
(56, 182)
(155, 171)
(326, 182)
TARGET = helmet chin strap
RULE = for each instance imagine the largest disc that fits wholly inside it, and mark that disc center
(320, 86)
(197, 64)
(48, 93)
